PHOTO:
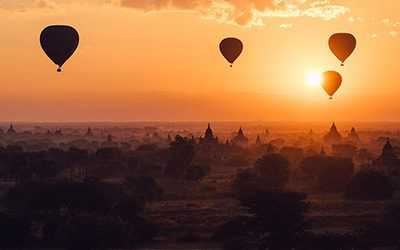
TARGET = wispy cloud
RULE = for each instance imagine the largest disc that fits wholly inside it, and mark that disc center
(353, 19)
(242, 12)
(25, 6)
(393, 33)
(286, 26)
(390, 23)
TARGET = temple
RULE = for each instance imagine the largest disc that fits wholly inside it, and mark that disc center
(58, 132)
(353, 136)
(258, 141)
(270, 149)
(109, 142)
(208, 137)
(333, 136)
(310, 135)
(169, 139)
(323, 153)
(240, 140)
(11, 131)
(388, 156)
(89, 133)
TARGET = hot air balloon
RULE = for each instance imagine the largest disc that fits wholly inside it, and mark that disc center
(342, 45)
(330, 82)
(59, 42)
(231, 48)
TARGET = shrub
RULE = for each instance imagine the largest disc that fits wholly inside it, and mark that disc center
(237, 161)
(274, 169)
(276, 218)
(247, 182)
(326, 173)
(196, 172)
(369, 185)
(143, 186)
(92, 231)
(231, 229)
(14, 231)
(271, 171)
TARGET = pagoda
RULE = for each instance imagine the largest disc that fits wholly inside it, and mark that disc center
(240, 140)
(209, 137)
(333, 136)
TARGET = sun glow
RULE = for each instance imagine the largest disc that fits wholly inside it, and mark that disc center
(313, 78)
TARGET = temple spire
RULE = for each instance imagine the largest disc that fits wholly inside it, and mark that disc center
(323, 151)
(270, 149)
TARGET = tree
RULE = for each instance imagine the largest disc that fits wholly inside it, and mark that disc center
(364, 156)
(293, 154)
(132, 165)
(344, 150)
(183, 152)
(247, 182)
(270, 171)
(77, 159)
(28, 198)
(369, 185)
(143, 186)
(237, 160)
(327, 173)
(276, 218)
(196, 172)
(92, 231)
(274, 169)
(15, 231)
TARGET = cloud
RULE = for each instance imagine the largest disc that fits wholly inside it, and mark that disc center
(393, 33)
(390, 23)
(353, 19)
(286, 26)
(34, 5)
(242, 12)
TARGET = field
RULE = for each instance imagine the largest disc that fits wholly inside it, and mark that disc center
(190, 213)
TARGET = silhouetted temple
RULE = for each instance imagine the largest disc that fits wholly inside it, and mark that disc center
(169, 140)
(353, 136)
(58, 132)
(240, 139)
(333, 136)
(89, 133)
(109, 142)
(310, 135)
(270, 149)
(11, 131)
(322, 151)
(258, 141)
(388, 156)
(208, 137)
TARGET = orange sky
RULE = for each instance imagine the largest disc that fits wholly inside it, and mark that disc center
(158, 60)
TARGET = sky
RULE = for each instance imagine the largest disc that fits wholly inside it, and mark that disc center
(158, 60)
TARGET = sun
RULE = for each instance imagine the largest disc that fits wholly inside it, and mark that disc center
(313, 78)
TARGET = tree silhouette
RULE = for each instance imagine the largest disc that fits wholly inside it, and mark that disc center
(276, 218)
(369, 185)
(327, 173)
(274, 169)
(183, 151)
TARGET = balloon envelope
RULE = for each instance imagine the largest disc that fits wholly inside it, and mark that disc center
(342, 45)
(231, 48)
(330, 82)
(59, 42)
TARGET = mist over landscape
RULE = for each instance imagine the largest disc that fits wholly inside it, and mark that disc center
(199, 124)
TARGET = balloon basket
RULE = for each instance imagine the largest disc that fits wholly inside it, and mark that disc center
(59, 70)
